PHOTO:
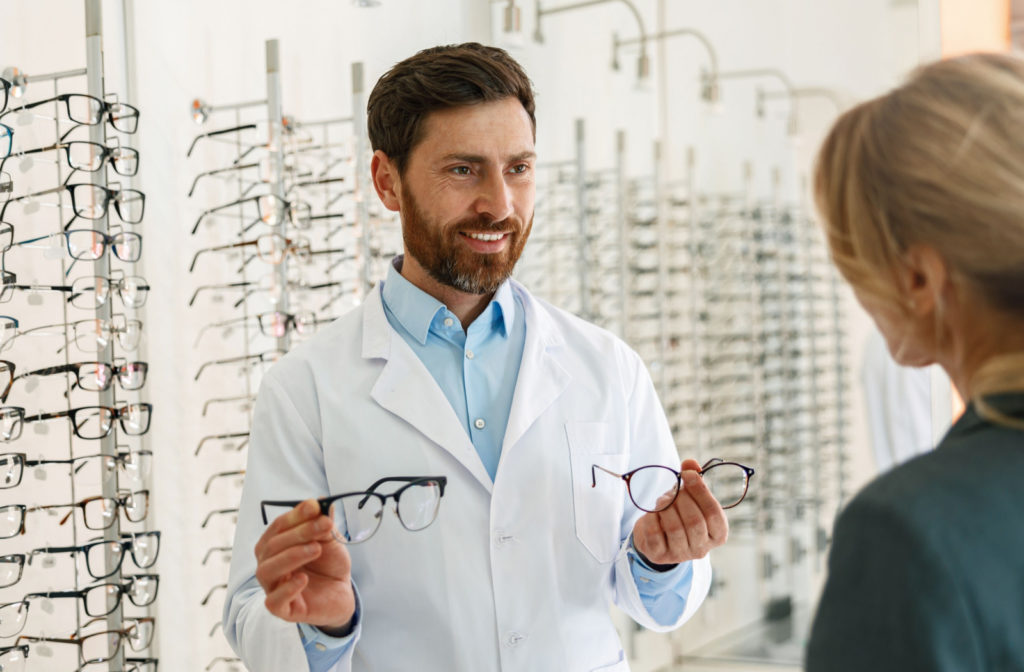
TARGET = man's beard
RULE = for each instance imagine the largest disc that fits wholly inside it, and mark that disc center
(449, 261)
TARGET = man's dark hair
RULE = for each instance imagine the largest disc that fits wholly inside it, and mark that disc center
(436, 79)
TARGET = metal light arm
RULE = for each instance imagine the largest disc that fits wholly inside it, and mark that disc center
(807, 92)
(773, 73)
(710, 85)
(538, 36)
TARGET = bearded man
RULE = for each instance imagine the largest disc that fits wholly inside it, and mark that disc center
(482, 417)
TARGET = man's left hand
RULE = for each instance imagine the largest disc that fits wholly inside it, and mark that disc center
(686, 530)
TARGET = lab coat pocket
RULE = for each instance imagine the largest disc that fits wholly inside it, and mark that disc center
(597, 511)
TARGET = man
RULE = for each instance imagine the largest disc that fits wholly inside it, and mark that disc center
(452, 369)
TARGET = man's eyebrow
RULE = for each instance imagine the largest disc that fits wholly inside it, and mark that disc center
(475, 158)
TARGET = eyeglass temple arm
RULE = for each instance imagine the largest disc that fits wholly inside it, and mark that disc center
(593, 474)
(212, 134)
(218, 171)
(218, 512)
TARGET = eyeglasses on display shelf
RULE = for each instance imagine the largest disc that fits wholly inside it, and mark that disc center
(89, 335)
(134, 465)
(85, 110)
(98, 512)
(89, 201)
(84, 156)
(357, 515)
(89, 292)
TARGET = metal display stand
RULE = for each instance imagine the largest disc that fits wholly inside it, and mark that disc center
(39, 628)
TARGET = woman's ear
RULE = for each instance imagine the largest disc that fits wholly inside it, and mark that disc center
(923, 279)
(386, 180)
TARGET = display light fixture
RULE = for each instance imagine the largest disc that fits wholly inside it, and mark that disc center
(643, 65)
(709, 83)
(18, 80)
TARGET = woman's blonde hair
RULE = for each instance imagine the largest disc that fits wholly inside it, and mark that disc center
(940, 161)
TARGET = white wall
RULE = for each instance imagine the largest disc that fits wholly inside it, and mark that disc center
(215, 50)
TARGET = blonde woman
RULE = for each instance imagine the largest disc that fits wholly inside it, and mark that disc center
(922, 196)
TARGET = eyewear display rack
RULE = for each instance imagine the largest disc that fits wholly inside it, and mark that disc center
(76, 510)
(731, 302)
(288, 241)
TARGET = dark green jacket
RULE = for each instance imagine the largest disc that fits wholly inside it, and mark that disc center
(926, 570)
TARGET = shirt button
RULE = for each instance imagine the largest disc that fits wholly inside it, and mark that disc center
(448, 321)
(469, 354)
(479, 424)
(320, 646)
(513, 638)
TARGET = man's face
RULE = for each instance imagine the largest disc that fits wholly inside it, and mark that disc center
(467, 195)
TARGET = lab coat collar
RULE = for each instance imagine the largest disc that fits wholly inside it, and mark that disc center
(542, 379)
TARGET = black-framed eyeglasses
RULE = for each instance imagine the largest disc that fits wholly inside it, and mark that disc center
(92, 201)
(728, 482)
(357, 515)
(98, 512)
(90, 292)
(89, 157)
(12, 658)
(85, 110)
(269, 356)
(90, 245)
(96, 422)
(144, 547)
(135, 465)
(271, 210)
(89, 376)
(99, 647)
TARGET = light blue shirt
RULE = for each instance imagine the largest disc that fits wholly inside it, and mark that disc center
(477, 369)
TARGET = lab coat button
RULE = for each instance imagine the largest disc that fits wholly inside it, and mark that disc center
(501, 538)
(513, 638)
(479, 424)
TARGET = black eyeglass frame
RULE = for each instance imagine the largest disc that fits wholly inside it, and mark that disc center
(326, 502)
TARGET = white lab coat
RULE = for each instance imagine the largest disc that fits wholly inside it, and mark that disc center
(514, 576)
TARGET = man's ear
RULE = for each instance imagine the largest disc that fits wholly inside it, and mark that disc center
(386, 180)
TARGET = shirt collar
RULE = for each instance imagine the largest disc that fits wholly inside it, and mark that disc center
(416, 310)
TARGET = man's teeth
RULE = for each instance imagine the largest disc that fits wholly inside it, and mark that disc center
(486, 236)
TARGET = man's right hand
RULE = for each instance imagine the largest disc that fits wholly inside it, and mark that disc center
(306, 572)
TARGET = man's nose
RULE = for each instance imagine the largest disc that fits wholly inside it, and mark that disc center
(495, 198)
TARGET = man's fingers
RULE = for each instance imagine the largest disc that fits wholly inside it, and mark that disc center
(317, 529)
(273, 569)
(285, 601)
(648, 536)
(714, 516)
(299, 514)
(675, 533)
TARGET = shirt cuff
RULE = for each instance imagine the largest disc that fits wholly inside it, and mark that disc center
(324, 650)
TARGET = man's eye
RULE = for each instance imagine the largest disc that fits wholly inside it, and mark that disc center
(461, 170)
(521, 168)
